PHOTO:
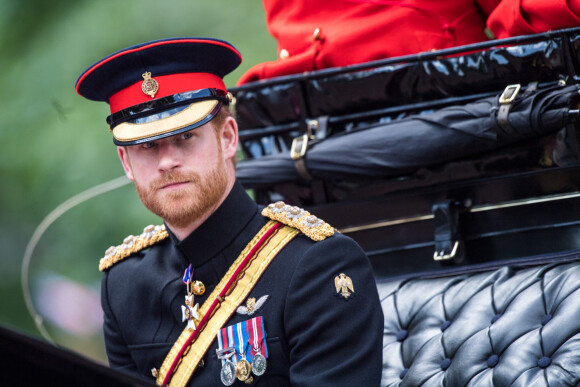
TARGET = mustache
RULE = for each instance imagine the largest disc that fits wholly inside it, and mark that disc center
(174, 178)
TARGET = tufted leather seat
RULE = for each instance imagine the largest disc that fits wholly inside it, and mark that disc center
(513, 326)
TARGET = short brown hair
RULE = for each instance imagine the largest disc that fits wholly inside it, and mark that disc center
(220, 118)
(218, 122)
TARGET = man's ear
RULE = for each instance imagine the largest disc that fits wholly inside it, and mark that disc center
(124, 156)
(229, 137)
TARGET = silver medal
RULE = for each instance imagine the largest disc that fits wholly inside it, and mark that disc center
(259, 364)
(228, 373)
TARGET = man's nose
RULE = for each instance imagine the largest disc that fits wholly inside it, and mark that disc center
(168, 156)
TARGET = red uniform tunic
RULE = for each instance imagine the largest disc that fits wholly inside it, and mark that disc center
(317, 34)
(523, 17)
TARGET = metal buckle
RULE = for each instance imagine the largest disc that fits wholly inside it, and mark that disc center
(441, 256)
(299, 142)
(509, 94)
(312, 127)
(225, 353)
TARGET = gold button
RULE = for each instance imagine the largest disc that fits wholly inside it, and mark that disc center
(128, 239)
(317, 35)
(312, 219)
(154, 372)
(284, 54)
(295, 210)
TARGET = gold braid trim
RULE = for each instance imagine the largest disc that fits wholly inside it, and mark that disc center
(311, 226)
(132, 244)
(219, 309)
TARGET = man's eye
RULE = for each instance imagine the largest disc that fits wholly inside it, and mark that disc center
(148, 145)
(187, 135)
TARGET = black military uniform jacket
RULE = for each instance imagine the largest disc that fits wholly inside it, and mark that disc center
(315, 336)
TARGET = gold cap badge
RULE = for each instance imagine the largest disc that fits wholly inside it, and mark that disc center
(149, 85)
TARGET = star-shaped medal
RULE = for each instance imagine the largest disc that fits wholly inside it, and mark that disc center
(189, 311)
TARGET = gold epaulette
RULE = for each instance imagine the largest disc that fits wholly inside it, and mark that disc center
(132, 244)
(311, 226)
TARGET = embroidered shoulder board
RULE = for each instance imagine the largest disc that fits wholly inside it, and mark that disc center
(314, 228)
(132, 244)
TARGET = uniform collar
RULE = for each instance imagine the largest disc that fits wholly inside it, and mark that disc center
(220, 229)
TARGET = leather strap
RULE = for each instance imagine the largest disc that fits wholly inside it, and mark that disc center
(297, 153)
(447, 236)
(504, 110)
(234, 287)
(503, 120)
(302, 170)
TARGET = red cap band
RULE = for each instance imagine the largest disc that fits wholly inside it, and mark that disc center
(168, 85)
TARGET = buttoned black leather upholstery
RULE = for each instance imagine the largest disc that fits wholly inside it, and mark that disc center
(513, 326)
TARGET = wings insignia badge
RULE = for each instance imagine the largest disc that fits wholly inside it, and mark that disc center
(343, 284)
(252, 305)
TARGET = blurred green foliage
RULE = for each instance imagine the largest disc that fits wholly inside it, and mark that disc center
(55, 144)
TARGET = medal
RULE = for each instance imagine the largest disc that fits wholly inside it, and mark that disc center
(242, 350)
(257, 335)
(228, 371)
(243, 370)
(189, 311)
(225, 352)
(259, 364)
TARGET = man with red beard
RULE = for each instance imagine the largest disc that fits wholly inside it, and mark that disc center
(225, 291)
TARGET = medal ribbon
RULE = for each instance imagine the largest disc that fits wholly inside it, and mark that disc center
(257, 337)
(262, 333)
(231, 343)
(188, 274)
(241, 340)
(250, 333)
(223, 343)
(220, 339)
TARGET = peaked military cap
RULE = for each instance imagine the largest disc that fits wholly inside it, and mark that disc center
(161, 88)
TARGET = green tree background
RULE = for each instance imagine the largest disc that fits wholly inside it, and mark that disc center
(55, 144)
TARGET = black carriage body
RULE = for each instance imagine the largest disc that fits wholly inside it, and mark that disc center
(460, 233)
(514, 194)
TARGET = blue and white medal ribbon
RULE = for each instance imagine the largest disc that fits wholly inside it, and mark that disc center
(243, 368)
